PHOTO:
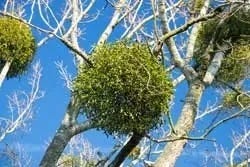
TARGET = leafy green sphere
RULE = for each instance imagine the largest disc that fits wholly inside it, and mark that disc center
(126, 90)
(236, 30)
(17, 45)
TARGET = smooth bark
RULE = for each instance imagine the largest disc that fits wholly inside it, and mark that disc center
(173, 149)
(59, 142)
(56, 147)
(68, 129)
(4, 72)
(125, 151)
(215, 65)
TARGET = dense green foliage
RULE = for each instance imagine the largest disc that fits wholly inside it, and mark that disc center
(17, 45)
(237, 64)
(126, 91)
(216, 33)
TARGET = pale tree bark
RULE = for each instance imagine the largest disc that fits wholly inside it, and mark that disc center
(68, 128)
(114, 21)
(7, 64)
(213, 67)
(4, 72)
(186, 120)
(74, 33)
(184, 125)
(56, 147)
(59, 142)
(194, 32)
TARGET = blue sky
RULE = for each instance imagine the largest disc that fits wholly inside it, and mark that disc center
(49, 110)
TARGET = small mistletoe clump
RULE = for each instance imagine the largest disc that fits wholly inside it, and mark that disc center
(197, 5)
(126, 90)
(73, 160)
(233, 99)
(17, 45)
(233, 31)
(237, 63)
(134, 154)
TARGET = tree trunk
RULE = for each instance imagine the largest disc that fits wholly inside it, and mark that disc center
(125, 151)
(4, 72)
(68, 129)
(60, 141)
(56, 147)
(183, 127)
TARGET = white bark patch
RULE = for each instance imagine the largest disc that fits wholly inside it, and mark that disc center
(4, 72)
(213, 68)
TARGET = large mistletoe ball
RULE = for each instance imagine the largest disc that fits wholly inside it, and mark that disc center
(17, 45)
(126, 90)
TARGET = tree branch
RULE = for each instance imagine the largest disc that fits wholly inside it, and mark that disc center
(127, 148)
(78, 51)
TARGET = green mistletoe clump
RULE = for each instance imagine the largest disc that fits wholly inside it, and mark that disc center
(74, 161)
(17, 45)
(233, 31)
(233, 99)
(126, 90)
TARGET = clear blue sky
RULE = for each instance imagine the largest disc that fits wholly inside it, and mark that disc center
(49, 110)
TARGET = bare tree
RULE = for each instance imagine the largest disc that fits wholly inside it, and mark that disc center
(171, 30)
(18, 118)
(240, 149)
(79, 152)
(236, 156)
(21, 106)
(15, 155)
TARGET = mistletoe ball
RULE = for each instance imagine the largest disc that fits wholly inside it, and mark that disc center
(17, 45)
(126, 90)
